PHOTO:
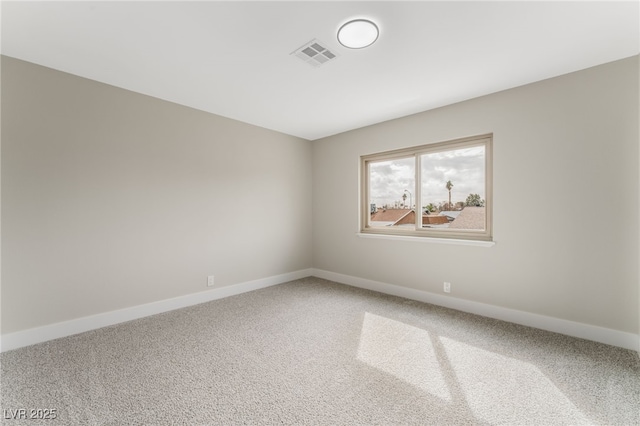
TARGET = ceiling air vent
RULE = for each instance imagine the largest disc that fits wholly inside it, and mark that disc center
(314, 53)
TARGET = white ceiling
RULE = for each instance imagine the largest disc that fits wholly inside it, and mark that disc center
(233, 58)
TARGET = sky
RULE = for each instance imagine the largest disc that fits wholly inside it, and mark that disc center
(388, 180)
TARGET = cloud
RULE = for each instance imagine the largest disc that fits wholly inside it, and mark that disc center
(463, 167)
(388, 180)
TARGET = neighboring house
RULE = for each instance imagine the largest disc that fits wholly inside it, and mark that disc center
(396, 217)
(469, 218)
(435, 220)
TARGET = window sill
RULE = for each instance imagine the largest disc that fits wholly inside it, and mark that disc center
(430, 240)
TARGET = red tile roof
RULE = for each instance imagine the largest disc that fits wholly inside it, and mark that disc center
(389, 215)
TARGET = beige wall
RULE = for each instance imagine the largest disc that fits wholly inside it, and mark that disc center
(566, 191)
(112, 199)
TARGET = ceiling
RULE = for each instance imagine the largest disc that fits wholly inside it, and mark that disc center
(234, 58)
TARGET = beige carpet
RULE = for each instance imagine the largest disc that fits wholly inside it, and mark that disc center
(315, 352)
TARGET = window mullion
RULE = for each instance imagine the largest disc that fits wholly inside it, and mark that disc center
(418, 193)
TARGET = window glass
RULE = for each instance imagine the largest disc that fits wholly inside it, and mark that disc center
(440, 190)
(391, 186)
(453, 188)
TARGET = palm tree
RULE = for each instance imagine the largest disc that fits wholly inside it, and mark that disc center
(449, 186)
(404, 200)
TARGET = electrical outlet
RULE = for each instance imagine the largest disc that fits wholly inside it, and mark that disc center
(447, 287)
(210, 281)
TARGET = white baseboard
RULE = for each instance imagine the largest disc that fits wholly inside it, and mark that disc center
(584, 331)
(67, 328)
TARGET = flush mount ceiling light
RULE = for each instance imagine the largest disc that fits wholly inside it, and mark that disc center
(358, 33)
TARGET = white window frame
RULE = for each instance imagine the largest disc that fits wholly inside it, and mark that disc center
(416, 152)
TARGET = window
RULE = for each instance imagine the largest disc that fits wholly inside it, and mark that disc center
(448, 183)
